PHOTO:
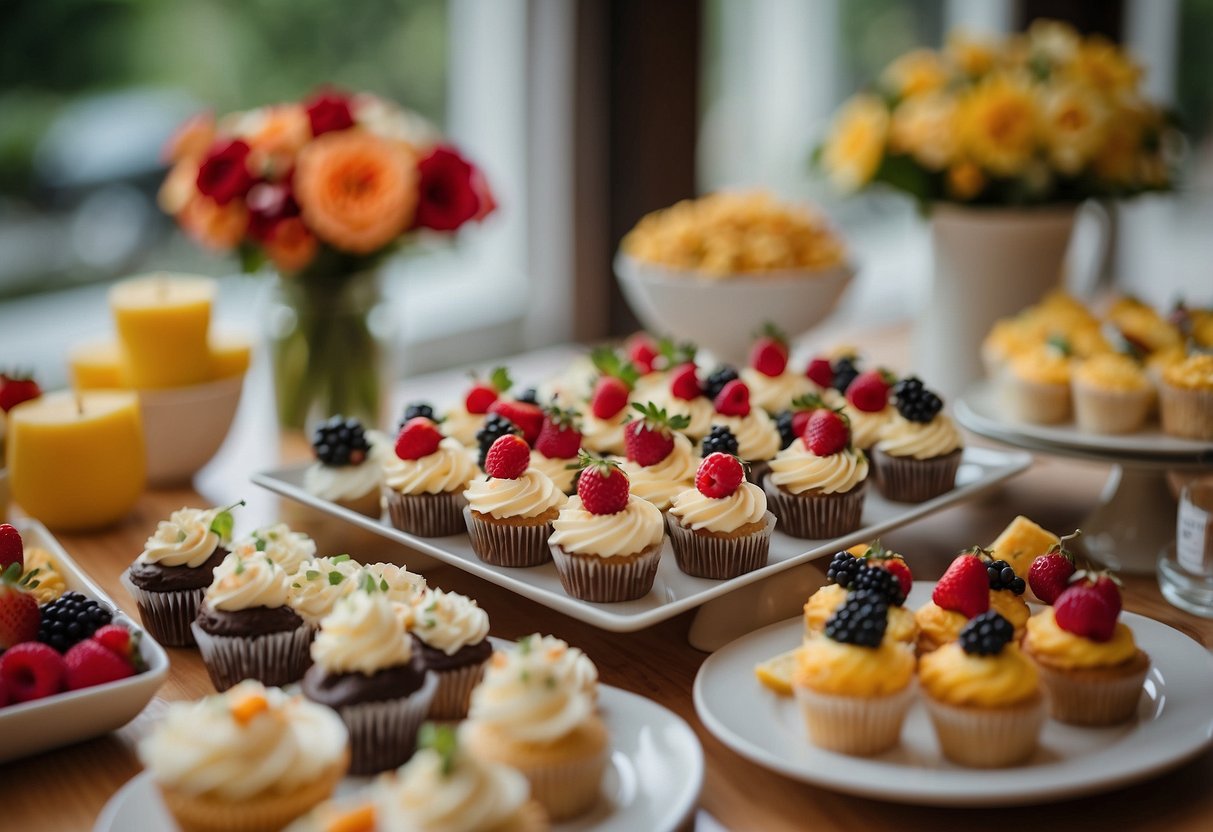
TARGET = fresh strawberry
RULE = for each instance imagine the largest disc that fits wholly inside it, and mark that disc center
(719, 475)
(90, 663)
(419, 437)
(609, 398)
(828, 432)
(17, 387)
(769, 355)
(820, 372)
(642, 352)
(485, 392)
(1102, 584)
(1049, 575)
(650, 438)
(560, 436)
(964, 587)
(733, 399)
(869, 392)
(526, 416)
(1083, 611)
(32, 671)
(684, 383)
(19, 616)
(508, 457)
(602, 486)
(11, 548)
(120, 640)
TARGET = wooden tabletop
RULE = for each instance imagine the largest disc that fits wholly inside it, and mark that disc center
(66, 789)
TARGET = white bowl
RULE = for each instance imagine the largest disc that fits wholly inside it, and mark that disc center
(723, 315)
(183, 427)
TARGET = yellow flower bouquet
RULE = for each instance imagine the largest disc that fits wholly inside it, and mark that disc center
(1046, 116)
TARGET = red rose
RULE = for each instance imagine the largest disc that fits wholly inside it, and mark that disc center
(328, 111)
(224, 174)
(269, 204)
(447, 192)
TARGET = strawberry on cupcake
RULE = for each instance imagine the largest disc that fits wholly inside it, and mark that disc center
(423, 484)
(961, 594)
(555, 449)
(773, 387)
(465, 419)
(608, 405)
(660, 462)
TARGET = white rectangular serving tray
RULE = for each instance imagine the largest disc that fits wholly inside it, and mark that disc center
(674, 592)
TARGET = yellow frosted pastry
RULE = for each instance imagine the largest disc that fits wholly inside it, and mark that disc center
(1021, 542)
(1194, 373)
(1186, 398)
(1143, 325)
(827, 666)
(1037, 387)
(825, 602)
(1111, 394)
(50, 580)
(951, 675)
(1012, 607)
(937, 626)
(1111, 372)
(1052, 645)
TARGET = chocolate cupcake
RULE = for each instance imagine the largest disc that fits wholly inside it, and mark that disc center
(451, 633)
(167, 581)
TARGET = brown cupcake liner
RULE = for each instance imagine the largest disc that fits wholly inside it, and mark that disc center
(383, 735)
(454, 692)
(274, 659)
(608, 580)
(504, 545)
(860, 725)
(1078, 699)
(167, 616)
(909, 480)
(719, 558)
(987, 737)
(1186, 413)
(426, 515)
(816, 516)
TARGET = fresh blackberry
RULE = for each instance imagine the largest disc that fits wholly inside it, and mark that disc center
(861, 620)
(69, 619)
(1002, 576)
(787, 435)
(881, 581)
(914, 401)
(720, 440)
(495, 427)
(529, 395)
(986, 634)
(340, 441)
(845, 372)
(719, 377)
(414, 409)
(842, 569)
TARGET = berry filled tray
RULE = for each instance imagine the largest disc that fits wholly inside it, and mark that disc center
(673, 592)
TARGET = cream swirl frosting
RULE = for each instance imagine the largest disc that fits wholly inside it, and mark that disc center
(901, 437)
(757, 437)
(866, 427)
(662, 482)
(748, 504)
(365, 633)
(210, 747)
(344, 482)
(797, 469)
(527, 695)
(448, 469)
(318, 584)
(448, 621)
(430, 794)
(557, 470)
(243, 583)
(627, 532)
(529, 495)
(184, 539)
(284, 547)
(775, 393)
(699, 410)
(605, 436)
(462, 426)
(398, 583)
(568, 663)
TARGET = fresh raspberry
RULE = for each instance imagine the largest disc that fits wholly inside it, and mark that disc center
(827, 432)
(1083, 611)
(90, 663)
(642, 352)
(17, 387)
(719, 475)
(769, 355)
(610, 397)
(419, 437)
(602, 486)
(684, 383)
(559, 438)
(31, 671)
(820, 372)
(485, 392)
(964, 587)
(527, 417)
(869, 392)
(650, 438)
(19, 615)
(11, 548)
(508, 458)
(734, 399)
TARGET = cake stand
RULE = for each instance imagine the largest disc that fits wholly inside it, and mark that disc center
(1135, 517)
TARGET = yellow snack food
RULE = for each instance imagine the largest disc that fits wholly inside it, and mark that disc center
(827, 666)
(1043, 364)
(951, 675)
(1053, 646)
(50, 580)
(777, 672)
(1193, 373)
(1112, 372)
(1021, 542)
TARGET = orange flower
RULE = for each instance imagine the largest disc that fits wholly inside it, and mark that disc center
(215, 226)
(281, 131)
(192, 139)
(356, 190)
(178, 187)
(292, 246)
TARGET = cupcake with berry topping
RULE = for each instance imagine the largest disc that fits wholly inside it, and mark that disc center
(1035, 387)
(1186, 397)
(645, 355)
(755, 431)
(833, 374)
(495, 427)
(170, 577)
(365, 667)
(817, 484)
(608, 410)
(1111, 394)
(684, 396)
(791, 422)
(773, 387)
(961, 594)
(532, 715)
(424, 482)
(606, 542)
(397, 583)
(983, 696)
(510, 511)
(347, 470)
(1090, 665)
(451, 632)
(463, 421)
(556, 448)
(867, 407)
(1006, 592)
(720, 528)
(318, 584)
(919, 449)
(245, 628)
(660, 462)
(854, 686)
(287, 549)
(852, 571)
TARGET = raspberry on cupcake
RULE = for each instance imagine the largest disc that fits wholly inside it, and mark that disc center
(608, 405)
(867, 406)
(755, 431)
(961, 594)
(556, 448)
(685, 396)
(424, 482)
(919, 449)
(463, 421)
(660, 462)
(773, 387)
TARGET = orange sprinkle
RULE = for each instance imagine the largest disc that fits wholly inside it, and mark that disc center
(358, 819)
(245, 709)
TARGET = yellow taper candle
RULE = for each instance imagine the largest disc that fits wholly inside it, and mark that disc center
(77, 459)
(163, 320)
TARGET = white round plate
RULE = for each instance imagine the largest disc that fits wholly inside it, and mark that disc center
(1175, 723)
(653, 781)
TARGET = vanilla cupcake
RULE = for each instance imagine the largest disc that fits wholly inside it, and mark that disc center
(463, 421)
(919, 449)
(287, 549)
(424, 482)
(683, 396)
(1111, 394)
(557, 446)
(1186, 398)
(817, 484)
(250, 760)
(399, 584)
(452, 634)
(660, 463)
(757, 436)
(1036, 386)
(348, 470)
(318, 584)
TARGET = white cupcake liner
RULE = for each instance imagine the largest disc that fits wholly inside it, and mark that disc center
(274, 659)
(383, 735)
(1037, 403)
(987, 737)
(909, 480)
(816, 516)
(454, 692)
(504, 545)
(1110, 411)
(167, 616)
(703, 556)
(1078, 699)
(860, 725)
(568, 788)
(608, 580)
(1187, 413)
(426, 515)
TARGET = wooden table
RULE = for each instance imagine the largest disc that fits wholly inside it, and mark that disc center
(65, 789)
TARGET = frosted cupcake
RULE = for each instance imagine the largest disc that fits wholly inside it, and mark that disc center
(684, 396)
(1036, 386)
(529, 714)
(397, 583)
(318, 584)
(348, 469)
(660, 462)
(963, 593)
(867, 407)
(556, 449)
(287, 549)
(755, 431)
(817, 484)
(607, 411)
(452, 635)
(773, 387)
(1186, 398)
(919, 450)
(1111, 394)
(848, 572)
(251, 759)
(720, 528)
(465, 420)
(424, 483)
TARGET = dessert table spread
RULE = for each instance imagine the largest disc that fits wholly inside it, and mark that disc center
(66, 789)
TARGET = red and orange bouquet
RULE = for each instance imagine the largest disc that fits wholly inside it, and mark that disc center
(336, 174)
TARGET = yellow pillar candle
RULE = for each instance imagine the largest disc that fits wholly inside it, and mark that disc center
(98, 366)
(230, 354)
(162, 324)
(77, 460)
